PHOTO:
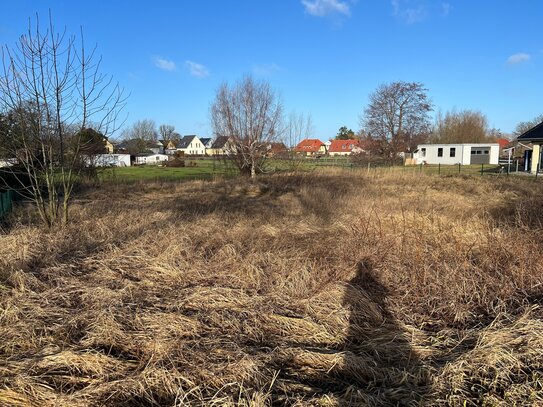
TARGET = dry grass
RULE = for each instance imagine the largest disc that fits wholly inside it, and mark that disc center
(328, 289)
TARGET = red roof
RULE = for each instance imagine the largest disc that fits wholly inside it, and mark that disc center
(311, 145)
(277, 148)
(345, 146)
(503, 142)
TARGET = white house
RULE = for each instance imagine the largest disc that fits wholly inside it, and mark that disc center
(109, 160)
(191, 145)
(465, 153)
(151, 158)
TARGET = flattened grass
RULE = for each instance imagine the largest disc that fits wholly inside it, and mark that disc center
(298, 289)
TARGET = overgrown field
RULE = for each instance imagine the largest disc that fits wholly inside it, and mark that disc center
(313, 289)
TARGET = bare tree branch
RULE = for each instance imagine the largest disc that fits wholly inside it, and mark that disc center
(50, 92)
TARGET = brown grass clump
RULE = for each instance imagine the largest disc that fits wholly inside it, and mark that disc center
(300, 289)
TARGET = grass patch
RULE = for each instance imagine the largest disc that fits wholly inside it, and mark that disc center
(194, 169)
(333, 288)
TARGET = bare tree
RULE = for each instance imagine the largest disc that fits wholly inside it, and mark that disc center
(297, 128)
(466, 126)
(250, 115)
(52, 89)
(166, 131)
(523, 127)
(141, 130)
(398, 116)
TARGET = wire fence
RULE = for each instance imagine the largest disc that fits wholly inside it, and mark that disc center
(398, 166)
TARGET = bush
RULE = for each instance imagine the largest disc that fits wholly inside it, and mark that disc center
(175, 163)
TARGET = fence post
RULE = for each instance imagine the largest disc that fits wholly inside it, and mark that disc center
(517, 167)
(482, 167)
(459, 166)
(438, 168)
(369, 167)
(421, 167)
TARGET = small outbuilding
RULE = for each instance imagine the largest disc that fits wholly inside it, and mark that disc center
(534, 158)
(151, 158)
(108, 160)
(464, 153)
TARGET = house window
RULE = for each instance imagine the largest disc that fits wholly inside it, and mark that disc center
(486, 151)
(440, 152)
(453, 152)
(423, 152)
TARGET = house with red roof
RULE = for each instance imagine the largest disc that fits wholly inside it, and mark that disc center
(310, 147)
(277, 150)
(503, 142)
(344, 147)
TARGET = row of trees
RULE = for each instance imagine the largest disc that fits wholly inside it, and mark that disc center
(56, 107)
(146, 130)
(397, 118)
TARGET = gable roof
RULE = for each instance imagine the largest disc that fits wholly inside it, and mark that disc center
(205, 140)
(220, 142)
(276, 148)
(535, 134)
(339, 146)
(165, 143)
(185, 141)
(311, 145)
(503, 142)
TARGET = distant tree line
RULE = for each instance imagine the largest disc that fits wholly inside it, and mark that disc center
(397, 119)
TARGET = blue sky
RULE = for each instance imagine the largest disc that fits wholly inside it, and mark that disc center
(324, 56)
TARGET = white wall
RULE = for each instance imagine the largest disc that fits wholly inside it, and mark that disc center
(494, 154)
(151, 159)
(7, 162)
(432, 150)
(109, 160)
(195, 147)
(462, 153)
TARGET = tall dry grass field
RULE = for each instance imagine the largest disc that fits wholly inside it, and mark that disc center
(322, 289)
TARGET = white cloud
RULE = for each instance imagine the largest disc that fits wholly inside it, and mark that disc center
(321, 8)
(446, 8)
(197, 70)
(266, 69)
(519, 58)
(411, 14)
(164, 64)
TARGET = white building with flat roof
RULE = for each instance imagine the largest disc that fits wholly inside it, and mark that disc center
(450, 154)
(108, 160)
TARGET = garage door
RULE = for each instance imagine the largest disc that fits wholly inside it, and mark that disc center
(480, 155)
